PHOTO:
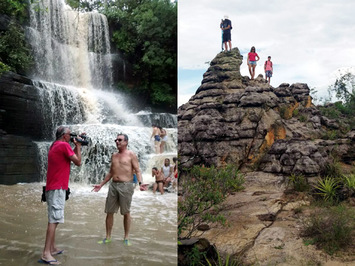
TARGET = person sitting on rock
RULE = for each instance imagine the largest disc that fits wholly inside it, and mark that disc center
(167, 170)
(159, 180)
(252, 58)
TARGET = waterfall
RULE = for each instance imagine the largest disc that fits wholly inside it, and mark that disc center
(73, 76)
(69, 47)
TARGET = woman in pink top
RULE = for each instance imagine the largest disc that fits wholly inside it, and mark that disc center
(252, 58)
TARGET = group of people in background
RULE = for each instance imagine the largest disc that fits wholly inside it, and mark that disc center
(166, 177)
(253, 57)
(160, 138)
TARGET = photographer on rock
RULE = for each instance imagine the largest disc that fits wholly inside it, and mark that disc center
(60, 156)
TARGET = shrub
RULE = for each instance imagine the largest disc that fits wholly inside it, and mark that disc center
(331, 229)
(227, 261)
(299, 182)
(332, 169)
(203, 190)
(327, 189)
(349, 184)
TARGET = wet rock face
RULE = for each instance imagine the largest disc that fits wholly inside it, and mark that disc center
(232, 119)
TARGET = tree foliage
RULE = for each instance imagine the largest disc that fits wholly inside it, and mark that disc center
(344, 88)
(14, 51)
(146, 32)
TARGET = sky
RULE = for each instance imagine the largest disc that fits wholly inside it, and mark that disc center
(309, 41)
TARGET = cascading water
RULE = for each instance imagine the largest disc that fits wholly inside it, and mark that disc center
(73, 76)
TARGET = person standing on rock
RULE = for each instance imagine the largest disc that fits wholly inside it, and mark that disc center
(252, 58)
(60, 156)
(268, 69)
(226, 27)
(156, 134)
(221, 27)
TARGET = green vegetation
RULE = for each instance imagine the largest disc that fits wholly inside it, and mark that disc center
(299, 183)
(14, 52)
(331, 229)
(203, 190)
(146, 31)
(349, 184)
(344, 110)
(14, 8)
(221, 261)
(327, 189)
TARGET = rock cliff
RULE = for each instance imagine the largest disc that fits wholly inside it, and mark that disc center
(232, 119)
(269, 133)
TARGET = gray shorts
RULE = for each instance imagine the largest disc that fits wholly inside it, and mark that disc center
(119, 196)
(55, 203)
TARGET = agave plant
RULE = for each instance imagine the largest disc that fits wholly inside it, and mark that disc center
(349, 183)
(327, 188)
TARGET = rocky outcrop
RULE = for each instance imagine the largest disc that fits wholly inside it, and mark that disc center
(21, 123)
(232, 119)
(270, 133)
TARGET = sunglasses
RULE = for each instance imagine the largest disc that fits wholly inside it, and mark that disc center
(119, 140)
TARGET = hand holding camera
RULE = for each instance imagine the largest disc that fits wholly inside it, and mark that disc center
(82, 138)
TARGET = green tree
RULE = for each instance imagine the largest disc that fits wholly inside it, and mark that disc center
(344, 88)
(146, 32)
(14, 51)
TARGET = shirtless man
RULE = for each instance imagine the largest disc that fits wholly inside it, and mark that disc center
(156, 134)
(159, 180)
(121, 189)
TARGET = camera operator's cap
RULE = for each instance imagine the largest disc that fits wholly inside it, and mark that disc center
(226, 17)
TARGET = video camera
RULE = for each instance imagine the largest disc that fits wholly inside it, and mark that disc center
(83, 139)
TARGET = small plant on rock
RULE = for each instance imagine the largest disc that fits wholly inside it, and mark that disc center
(349, 184)
(298, 182)
(327, 189)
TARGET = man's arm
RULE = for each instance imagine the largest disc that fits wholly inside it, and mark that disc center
(76, 158)
(135, 166)
(106, 179)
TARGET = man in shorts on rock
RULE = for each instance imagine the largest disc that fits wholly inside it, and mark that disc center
(60, 156)
(268, 69)
(119, 196)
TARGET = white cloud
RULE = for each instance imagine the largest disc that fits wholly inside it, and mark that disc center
(308, 40)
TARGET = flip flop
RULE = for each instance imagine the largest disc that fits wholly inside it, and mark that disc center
(105, 241)
(126, 242)
(50, 262)
(58, 252)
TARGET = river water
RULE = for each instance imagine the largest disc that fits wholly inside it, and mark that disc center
(23, 223)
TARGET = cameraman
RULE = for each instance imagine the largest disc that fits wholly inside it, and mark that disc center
(60, 156)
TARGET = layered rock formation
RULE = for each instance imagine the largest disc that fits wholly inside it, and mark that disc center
(232, 119)
(21, 122)
(269, 133)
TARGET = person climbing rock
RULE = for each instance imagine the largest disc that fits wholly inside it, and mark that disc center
(268, 69)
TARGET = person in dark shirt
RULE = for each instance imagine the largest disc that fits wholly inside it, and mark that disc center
(226, 27)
